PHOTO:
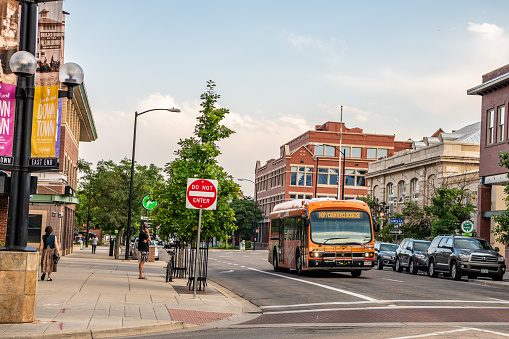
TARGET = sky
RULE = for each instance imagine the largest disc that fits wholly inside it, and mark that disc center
(281, 67)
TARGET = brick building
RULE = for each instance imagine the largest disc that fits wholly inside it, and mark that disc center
(494, 107)
(305, 170)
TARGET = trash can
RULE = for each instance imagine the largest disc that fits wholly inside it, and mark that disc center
(112, 245)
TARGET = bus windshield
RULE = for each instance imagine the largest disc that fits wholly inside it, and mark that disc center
(334, 227)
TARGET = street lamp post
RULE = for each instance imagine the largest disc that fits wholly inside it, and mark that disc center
(128, 231)
(341, 187)
(254, 216)
(24, 65)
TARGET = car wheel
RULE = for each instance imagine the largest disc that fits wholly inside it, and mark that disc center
(455, 274)
(298, 264)
(411, 267)
(274, 262)
(497, 277)
(379, 264)
(431, 269)
(398, 266)
(356, 273)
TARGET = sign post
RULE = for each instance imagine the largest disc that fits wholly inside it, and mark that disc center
(202, 195)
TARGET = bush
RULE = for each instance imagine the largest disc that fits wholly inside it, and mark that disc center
(248, 244)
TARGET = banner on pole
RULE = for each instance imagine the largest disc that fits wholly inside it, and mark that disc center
(7, 103)
(46, 122)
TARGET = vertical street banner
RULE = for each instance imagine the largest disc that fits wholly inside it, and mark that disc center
(46, 122)
(50, 43)
(9, 16)
(7, 103)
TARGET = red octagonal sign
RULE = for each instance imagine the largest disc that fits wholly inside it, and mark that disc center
(201, 194)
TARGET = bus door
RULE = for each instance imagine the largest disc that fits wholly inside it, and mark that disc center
(282, 236)
(303, 237)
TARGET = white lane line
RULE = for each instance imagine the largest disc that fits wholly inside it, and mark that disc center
(229, 271)
(497, 299)
(392, 280)
(452, 331)
(235, 264)
(392, 302)
(242, 266)
(319, 285)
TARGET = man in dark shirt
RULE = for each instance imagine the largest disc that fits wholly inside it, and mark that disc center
(143, 248)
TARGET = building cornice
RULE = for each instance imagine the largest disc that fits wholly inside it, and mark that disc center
(490, 86)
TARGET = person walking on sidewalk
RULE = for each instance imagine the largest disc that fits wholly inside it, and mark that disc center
(49, 247)
(94, 243)
(143, 248)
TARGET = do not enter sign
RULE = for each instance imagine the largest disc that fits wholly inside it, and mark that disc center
(201, 194)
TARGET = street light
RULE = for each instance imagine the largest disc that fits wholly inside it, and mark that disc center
(24, 65)
(136, 114)
(255, 201)
(341, 187)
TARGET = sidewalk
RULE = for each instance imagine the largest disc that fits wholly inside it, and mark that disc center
(94, 296)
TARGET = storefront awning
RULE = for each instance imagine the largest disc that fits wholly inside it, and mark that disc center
(53, 199)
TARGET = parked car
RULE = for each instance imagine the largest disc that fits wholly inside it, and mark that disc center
(471, 256)
(385, 254)
(412, 254)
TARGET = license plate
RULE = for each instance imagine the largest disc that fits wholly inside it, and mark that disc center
(367, 262)
(484, 270)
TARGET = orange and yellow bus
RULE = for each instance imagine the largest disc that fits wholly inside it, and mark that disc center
(322, 234)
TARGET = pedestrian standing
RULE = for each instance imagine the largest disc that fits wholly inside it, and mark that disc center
(143, 248)
(94, 243)
(48, 247)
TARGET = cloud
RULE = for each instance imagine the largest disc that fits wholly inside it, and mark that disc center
(333, 48)
(354, 114)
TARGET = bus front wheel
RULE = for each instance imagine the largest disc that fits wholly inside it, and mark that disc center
(298, 264)
(356, 273)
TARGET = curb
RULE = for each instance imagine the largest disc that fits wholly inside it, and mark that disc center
(109, 333)
(503, 284)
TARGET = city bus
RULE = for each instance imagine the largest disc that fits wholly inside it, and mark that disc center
(322, 234)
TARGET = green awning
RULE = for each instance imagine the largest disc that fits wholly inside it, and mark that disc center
(53, 199)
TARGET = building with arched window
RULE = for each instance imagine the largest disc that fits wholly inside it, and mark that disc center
(413, 175)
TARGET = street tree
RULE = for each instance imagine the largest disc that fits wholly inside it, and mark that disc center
(501, 230)
(105, 190)
(449, 208)
(244, 209)
(417, 221)
(197, 158)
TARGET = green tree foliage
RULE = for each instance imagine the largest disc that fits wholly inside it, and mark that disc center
(196, 158)
(501, 230)
(244, 209)
(104, 194)
(449, 208)
(417, 221)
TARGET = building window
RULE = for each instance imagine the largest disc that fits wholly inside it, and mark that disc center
(500, 123)
(355, 178)
(356, 152)
(325, 150)
(414, 190)
(402, 191)
(346, 151)
(382, 153)
(292, 196)
(371, 153)
(301, 176)
(390, 198)
(34, 228)
(489, 130)
(328, 176)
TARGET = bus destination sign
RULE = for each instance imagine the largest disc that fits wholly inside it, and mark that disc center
(339, 215)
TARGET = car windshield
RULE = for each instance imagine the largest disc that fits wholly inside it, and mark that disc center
(421, 245)
(389, 247)
(471, 244)
(340, 227)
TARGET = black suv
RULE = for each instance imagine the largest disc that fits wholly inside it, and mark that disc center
(412, 254)
(456, 256)
(384, 254)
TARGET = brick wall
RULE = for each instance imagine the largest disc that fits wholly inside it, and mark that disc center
(4, 207)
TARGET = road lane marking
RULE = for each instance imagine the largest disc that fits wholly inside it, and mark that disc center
(392, 302)
(386, 308)
(392, 280)
(229, 271)
(319, 285)
(242, 266)
(453, 331)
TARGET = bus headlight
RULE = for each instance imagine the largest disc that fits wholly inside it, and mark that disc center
(369, 254)
(316, 254)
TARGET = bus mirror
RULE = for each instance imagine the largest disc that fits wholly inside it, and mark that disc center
(376, 225)
(306, 222)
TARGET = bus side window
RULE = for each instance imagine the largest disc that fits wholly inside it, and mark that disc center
(274, 229)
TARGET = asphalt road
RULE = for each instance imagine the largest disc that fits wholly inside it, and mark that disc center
(379, 304)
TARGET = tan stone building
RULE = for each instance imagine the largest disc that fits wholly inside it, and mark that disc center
(413, 175)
